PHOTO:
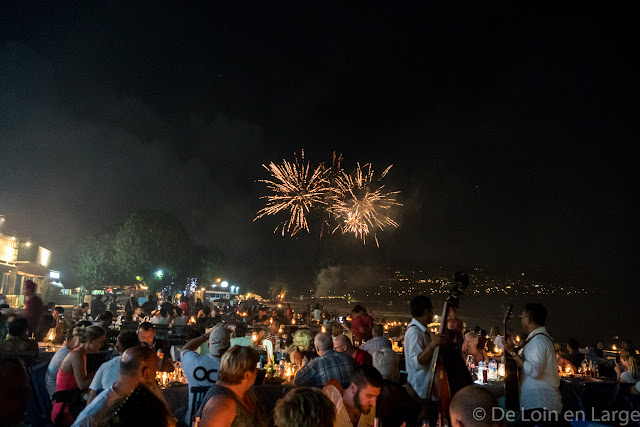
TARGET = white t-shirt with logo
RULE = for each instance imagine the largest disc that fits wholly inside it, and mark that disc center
(201, 371)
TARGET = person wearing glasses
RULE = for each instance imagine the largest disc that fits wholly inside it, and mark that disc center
(540, 397)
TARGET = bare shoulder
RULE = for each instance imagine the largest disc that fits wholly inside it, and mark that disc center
(217, 404)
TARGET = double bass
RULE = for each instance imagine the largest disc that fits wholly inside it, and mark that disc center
(448, 374)
(511, 372)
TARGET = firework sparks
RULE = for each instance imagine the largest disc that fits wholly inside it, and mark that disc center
(296, 189)
(360, 209)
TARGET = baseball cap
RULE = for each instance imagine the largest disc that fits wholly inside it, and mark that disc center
(219, 340)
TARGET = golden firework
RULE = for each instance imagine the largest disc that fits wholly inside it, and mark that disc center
(359, 206)
(297, 189)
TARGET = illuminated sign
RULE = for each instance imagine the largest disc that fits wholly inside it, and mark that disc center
(54, 274)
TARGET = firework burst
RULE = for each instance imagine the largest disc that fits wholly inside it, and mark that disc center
(352, 203)
(297, 189)
(359, 206)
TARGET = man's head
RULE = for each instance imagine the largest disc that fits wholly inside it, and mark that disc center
(30, 288)
(533, 316)
(18, 327)
(421, 309)
(275, 326)
(146, 333)
(241, 330)
(84, 307)
(99, 298)
(219, 340)
(139, 362)
(378, 330)
(151, 297)
(138, 311)
(342, 344)
(323, 343)
(473, 406)
(125, 341)
(365, 387)
(57, 312)
(305, 407)
(356, 309)
(238, 366)
(626, 344)
(106, 318)
(386, 362)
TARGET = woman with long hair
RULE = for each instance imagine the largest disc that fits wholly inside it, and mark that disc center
(629, 368)
(72, 376)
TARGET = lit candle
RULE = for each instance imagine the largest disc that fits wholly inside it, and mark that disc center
(293, 321)
(324, 329)
(254, 336)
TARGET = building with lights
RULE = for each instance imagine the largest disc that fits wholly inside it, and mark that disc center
(21, 260)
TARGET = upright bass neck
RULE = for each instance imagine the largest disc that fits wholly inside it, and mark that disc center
(462, 280)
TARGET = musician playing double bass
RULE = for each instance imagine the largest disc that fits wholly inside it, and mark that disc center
(419, 345)
(540, 397)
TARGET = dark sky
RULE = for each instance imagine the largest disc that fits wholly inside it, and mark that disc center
(511, 131)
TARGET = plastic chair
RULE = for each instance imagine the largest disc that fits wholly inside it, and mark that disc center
(197, 396)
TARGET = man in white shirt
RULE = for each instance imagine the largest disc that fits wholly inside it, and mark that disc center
(540, 397)
(139, 365)
(202, 370)
(109, 372)
(419, 345)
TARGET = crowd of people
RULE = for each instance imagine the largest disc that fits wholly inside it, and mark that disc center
(347, 372)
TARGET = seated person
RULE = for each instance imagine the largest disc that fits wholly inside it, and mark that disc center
(329, 365)
(231, 401)
(394, 405)
(562, 362)
(378, 342)
(356, 405)
(240, 338)
(72, 375)
(160, 317)
(628, 370)
(464, 408)
(302, 347)
(596, 355)
(179, 319)
(343, 344)
(305, 407)
(45, 324)
(58, 357)
(17, 341)
(147, 337)
(126, 411)
(573, 352)
(138, 366)
(470, 347)
(203, 370)
(109, 372)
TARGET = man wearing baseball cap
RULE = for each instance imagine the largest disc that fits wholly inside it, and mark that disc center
(202, 371)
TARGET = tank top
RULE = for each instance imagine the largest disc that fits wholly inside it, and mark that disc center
(243, 417)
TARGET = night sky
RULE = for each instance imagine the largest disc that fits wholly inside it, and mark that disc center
(511, 131)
